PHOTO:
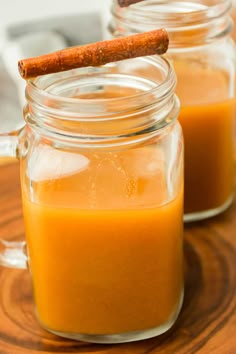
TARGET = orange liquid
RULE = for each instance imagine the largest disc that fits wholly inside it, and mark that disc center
(207, 119)
(102, 261)
(209, 175)
(7, 160)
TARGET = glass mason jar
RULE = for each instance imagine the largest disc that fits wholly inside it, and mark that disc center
(203, 56)
(102, 188)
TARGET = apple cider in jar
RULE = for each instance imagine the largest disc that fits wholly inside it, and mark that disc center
(102, 188)
(203, 56)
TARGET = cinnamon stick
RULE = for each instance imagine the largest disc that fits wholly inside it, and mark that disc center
(126, 3)
(95, 54)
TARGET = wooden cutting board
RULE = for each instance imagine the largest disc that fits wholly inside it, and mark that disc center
(207, 323)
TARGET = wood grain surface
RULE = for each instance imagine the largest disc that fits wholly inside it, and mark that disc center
(207, 323)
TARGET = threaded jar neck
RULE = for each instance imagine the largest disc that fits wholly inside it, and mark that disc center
(117, 101)
(189, 22)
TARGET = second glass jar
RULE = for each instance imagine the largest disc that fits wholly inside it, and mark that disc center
(203, 56)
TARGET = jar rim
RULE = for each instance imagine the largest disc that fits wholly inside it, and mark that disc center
(38, 90)
(187, 21)
(196, 10)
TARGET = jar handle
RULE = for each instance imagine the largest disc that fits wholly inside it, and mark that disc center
(12, 254)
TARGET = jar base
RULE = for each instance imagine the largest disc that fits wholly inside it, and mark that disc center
(123, 337)
(201, 215)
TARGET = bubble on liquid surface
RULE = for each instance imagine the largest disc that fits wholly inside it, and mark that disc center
(145, 162)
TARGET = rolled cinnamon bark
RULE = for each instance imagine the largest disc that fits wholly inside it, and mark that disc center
(126, 3)
(95, 54)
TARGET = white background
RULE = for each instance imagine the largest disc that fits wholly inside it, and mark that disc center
(24, 10)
